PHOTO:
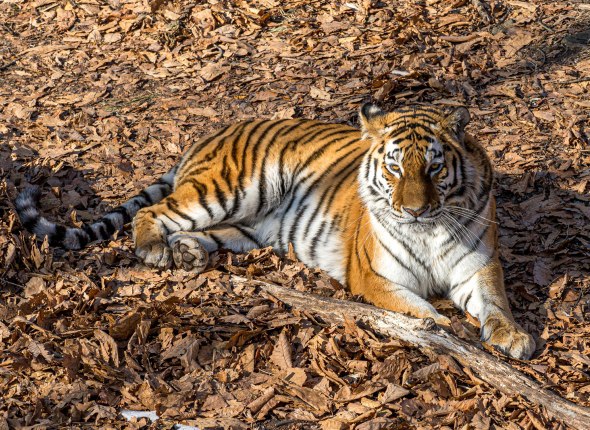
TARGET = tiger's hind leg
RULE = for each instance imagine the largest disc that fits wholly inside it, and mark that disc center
(188, 208)
(190, 250)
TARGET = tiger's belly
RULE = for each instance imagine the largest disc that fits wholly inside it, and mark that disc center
(314, 234)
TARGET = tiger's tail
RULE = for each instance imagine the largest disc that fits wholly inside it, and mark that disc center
(77, 238)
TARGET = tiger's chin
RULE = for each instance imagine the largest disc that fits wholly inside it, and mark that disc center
(421, 225)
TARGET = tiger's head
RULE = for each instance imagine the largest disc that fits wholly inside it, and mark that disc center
(418, 163)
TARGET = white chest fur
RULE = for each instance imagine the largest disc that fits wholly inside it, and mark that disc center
(429, 260)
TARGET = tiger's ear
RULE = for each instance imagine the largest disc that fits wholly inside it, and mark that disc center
(456, 122)
(369, 116)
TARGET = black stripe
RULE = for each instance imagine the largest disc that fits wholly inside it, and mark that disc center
(57, 238)
(82, 238)
(407, 247)
(460, 284)
(334, 223)
(171, 220)
(242, 172)
(327, 141)
(247, 234)
(187, 176)
(261, 139)
(295, 225)
(110, 228)
(460, 190)
(90, 232)
(262, 200)
(473, 247)
(201, 190)
(343, 147)
(225, 170)
(315, 240)
(464, 304)
(199, 146)
(31, 223)
(371, 266)
(102, 231)
(336, 187)
(172, 206)
(409, 128)
(397, 260)
(217, 241)
(355, 250)
(234, 148)
(123, 212)
(146, 195)
(220, 195)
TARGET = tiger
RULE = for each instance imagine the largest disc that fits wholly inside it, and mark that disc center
(397, 210)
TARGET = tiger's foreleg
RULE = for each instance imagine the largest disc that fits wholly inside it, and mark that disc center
(385, 294)
(483, 296)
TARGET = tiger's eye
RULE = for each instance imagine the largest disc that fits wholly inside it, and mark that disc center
(435, 167)
(393, 168)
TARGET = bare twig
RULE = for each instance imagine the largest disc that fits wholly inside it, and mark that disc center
(573, 81)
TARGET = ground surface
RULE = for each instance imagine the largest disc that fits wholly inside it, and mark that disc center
(98, 98)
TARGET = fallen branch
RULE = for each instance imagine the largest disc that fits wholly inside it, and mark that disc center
(426, 335)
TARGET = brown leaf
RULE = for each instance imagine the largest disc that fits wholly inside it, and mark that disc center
(314, 399)
(392, 393)
(557, 287)
(346, 394)
(281, 354)
(124, 327)
(542, 273)
(108, 347)
(213, 71)
(34, 286)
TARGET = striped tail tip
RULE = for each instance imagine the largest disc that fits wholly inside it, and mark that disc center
(58, 235)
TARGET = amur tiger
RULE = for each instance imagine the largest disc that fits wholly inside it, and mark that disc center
(397, 211)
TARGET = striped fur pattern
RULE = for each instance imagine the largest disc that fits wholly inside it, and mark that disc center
(398, 211)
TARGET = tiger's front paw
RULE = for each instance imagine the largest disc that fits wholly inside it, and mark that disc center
(156, 254)
(190, 255)
(507, 337)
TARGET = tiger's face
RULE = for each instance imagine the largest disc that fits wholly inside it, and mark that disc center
(414, 162)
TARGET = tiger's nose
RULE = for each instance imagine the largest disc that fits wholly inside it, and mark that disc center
(416, 212)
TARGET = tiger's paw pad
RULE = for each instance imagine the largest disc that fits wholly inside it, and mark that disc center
(508, 338)
(189, 255)
(155, 255)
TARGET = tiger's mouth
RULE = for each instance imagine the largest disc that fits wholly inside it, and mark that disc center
(420, 220)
